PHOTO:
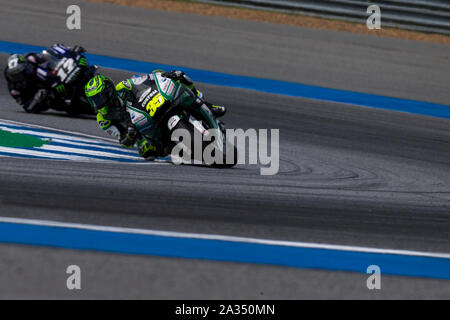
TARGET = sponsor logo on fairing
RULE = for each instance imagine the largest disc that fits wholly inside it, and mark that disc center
(137, 118)
(148, 96)
(42, 74)
(60, 49)
(170, 89)
(173, 122)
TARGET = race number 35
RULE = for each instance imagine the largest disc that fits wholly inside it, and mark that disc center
(155, 103)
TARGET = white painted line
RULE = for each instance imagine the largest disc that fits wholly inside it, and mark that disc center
(222, 238)
(103, 146)
(59, 130)
(69, 140)
(44, 154)
(89, 152)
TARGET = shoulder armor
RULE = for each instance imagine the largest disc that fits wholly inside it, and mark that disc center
(125, 84)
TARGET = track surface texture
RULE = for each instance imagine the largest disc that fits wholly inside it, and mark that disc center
(348, 175)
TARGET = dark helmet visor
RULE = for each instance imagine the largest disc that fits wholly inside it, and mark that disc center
(20, 75)
(104, 98)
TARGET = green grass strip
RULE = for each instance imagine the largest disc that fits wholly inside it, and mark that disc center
(19, 140)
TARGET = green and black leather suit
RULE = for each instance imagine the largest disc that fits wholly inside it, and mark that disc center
(133, 96)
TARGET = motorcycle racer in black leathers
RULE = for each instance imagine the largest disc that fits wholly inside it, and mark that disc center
(33, 82)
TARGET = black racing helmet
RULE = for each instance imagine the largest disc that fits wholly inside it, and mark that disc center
(18, 70)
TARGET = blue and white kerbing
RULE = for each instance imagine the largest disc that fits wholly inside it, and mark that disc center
(64, 145)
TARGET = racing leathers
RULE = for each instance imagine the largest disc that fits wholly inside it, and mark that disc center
(38, 88)
(121, 118)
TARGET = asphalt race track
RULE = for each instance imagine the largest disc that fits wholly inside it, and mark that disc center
(348, 175)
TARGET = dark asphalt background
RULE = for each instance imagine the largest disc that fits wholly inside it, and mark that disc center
(348, 175)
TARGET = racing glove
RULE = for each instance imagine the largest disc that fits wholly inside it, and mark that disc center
(128, 139)
(178, 75)
(78, 49)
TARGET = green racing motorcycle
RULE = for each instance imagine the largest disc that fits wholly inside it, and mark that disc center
(185, 128)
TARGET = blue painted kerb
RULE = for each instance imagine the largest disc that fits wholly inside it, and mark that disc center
(259, 84)
(219, 250)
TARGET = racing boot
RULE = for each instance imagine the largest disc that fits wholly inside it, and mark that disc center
(147, 150)
(128, 138)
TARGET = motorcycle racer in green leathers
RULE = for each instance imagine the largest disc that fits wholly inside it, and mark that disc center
(114, 104)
